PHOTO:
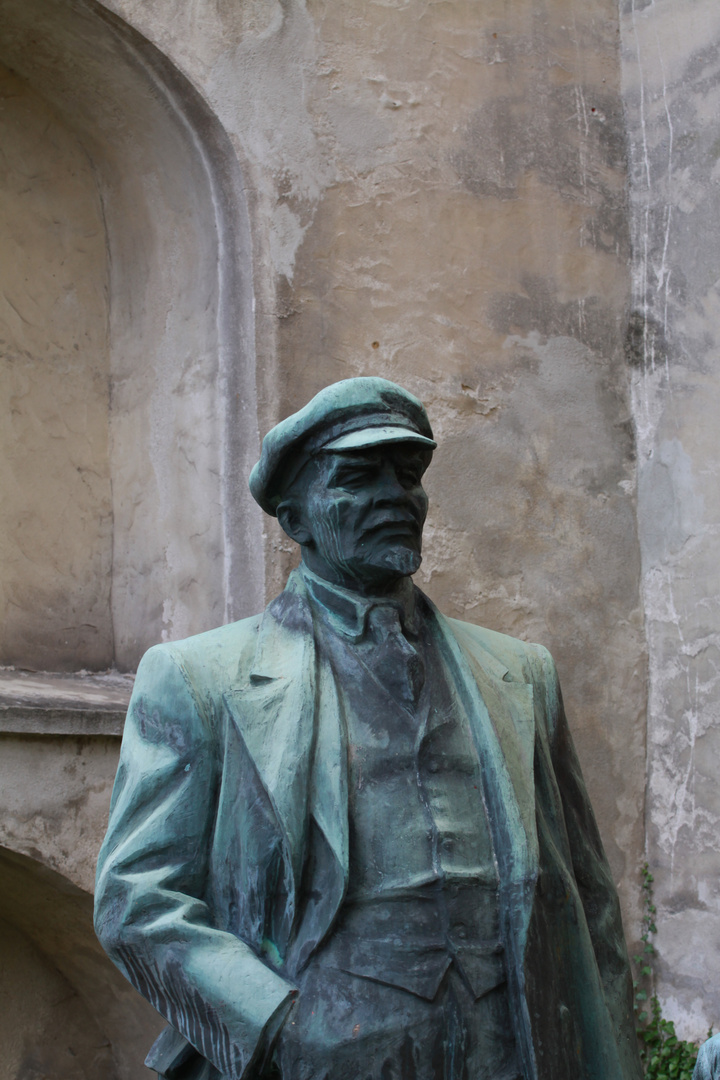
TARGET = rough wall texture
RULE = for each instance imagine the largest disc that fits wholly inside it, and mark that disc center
(437, 195)
(62, 821)
(671, 68)
(56, 519)
(153, 232)
(45, 1029)
(66, 1013)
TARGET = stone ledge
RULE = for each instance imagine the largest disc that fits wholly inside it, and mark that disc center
(50, 703)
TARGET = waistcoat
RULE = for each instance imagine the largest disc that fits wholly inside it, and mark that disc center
(422, 892)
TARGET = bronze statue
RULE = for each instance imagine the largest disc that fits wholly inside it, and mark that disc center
(707, 1066)
(349, 838)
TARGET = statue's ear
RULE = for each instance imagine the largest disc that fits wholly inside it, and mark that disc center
(292, 521)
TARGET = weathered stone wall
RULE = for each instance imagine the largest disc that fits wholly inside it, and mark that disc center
(67, 1013)
(60, 822)
(671, 70)
(56, 519)
(295, 192)
(437, 195)
(132, 328)
(45, 1029)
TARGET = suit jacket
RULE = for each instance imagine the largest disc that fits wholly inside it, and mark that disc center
(234, 752)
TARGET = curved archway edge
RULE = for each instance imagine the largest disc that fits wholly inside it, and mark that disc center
(56, 917)
(187, 550)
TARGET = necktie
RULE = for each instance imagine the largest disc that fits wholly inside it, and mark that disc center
(394, 662)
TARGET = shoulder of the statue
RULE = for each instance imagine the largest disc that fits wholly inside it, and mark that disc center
(224, 657)
(522, 659)
(226, 650)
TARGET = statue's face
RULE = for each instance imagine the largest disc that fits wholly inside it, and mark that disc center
(363, 513)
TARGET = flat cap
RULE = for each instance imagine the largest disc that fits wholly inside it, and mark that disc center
(347, 415)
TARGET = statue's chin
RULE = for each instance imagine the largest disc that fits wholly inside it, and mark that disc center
(401, 561)
(371, 571)
(387, 566)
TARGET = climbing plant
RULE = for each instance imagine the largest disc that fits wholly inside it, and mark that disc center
(664, 1056)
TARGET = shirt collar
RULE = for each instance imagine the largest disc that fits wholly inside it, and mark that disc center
(346, 612)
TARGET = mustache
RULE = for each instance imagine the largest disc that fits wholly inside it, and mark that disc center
(389, 519)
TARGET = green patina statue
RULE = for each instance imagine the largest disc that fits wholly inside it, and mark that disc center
(349, 838)
(707, 1066)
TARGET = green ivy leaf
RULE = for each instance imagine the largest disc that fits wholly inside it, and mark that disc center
(664, 1056)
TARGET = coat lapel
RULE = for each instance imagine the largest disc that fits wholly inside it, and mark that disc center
(275, 713)
(328, 850)
(501, 716)
(290, 719)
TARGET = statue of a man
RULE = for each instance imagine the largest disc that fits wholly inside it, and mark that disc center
(349, 838)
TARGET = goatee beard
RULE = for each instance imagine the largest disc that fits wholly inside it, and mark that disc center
(402, 560)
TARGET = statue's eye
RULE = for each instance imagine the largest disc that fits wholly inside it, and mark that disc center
(410, 475)
(352, 477)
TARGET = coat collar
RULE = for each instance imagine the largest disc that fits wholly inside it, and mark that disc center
(284, 630)
(346, 612)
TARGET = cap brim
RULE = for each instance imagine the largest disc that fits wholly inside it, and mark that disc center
(375, 436)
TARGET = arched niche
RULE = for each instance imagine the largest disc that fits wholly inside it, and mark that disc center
(127, 341)
(75, 1016)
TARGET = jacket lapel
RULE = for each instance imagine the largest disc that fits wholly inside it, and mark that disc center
(275, 714)
(290, 719)
(501, 716)
(328, 852)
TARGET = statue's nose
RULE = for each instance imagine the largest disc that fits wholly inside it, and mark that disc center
(389, 489)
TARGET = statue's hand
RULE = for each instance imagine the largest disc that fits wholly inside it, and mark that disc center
(708, 1062)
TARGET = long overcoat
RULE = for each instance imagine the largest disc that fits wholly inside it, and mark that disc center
(234, 744)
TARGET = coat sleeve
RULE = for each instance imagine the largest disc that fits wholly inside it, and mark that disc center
(707, 1066)
(592, 874)
(150, 915)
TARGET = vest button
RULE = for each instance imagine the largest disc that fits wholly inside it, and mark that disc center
(433, 767)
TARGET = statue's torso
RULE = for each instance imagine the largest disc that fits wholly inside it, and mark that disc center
(418, 935)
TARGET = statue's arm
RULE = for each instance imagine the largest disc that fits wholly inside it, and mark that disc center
(149, 912)
(707, 1066)
(592, 872)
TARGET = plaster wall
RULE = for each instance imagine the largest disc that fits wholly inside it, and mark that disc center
(60, 822)
(45, 1030)
(436, 194)
(171, 298)
(67, 1013)
(56, 520)
(671, 75)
